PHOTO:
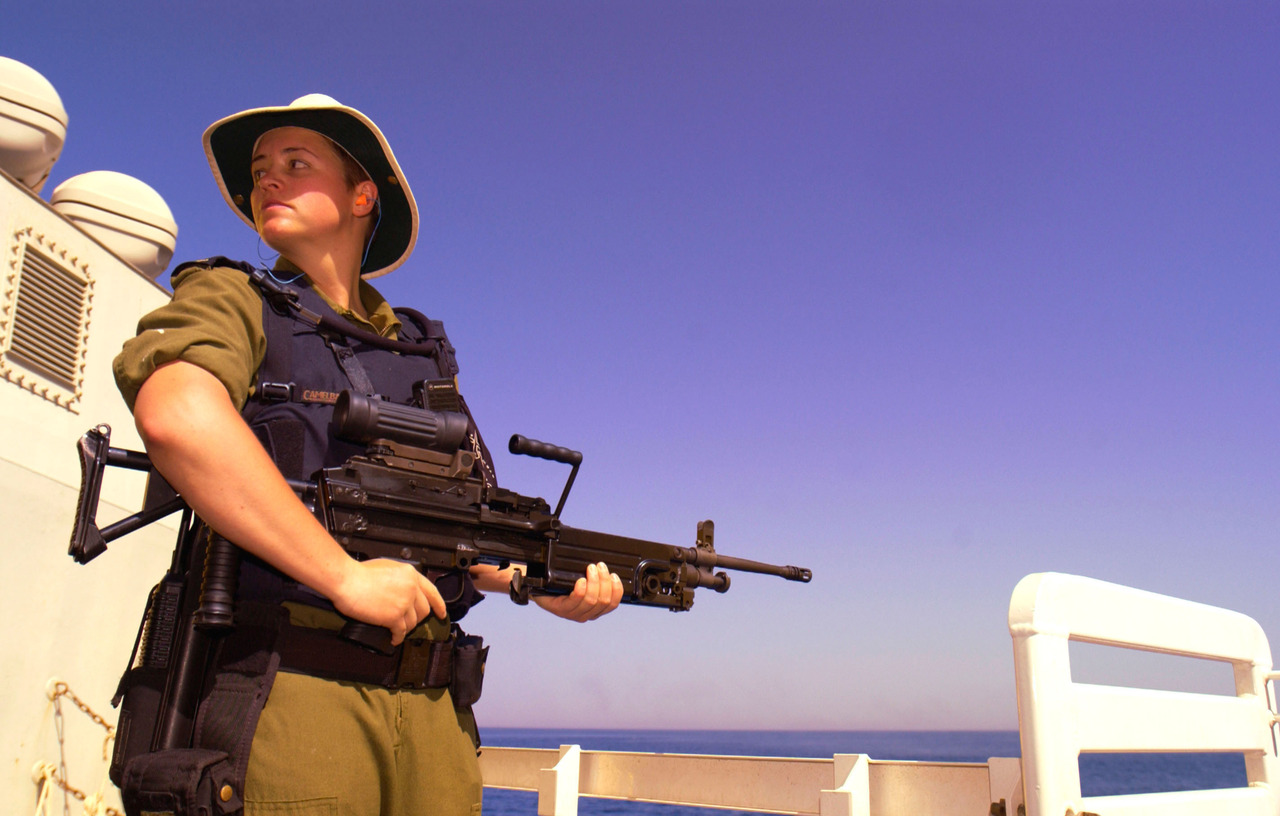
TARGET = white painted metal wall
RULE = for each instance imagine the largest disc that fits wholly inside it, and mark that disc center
(61, 619)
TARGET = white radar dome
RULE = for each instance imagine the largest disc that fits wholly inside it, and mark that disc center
(124, 214)
(33, 124)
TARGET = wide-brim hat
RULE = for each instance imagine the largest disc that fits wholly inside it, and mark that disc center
(229, 143)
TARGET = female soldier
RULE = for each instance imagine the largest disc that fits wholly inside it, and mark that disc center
(213, 382)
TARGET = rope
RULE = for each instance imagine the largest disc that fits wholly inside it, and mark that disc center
(48, 775)
(45, 773)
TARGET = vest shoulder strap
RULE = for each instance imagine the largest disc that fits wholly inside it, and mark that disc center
(280, 296)
(433, 331)
(285, 301)
(425, 337)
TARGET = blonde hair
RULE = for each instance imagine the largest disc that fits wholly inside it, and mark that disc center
(352, 171)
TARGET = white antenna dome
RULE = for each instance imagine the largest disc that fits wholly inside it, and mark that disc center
(126, 216)
(33, 124)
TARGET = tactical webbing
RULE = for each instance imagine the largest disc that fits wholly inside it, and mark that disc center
(351, 367)
(245, 667)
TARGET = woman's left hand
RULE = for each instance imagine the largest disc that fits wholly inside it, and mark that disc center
(599, 593)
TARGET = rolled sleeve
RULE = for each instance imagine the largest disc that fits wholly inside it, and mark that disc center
(213, 321)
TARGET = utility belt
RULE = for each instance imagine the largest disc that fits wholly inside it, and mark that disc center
(456, 663)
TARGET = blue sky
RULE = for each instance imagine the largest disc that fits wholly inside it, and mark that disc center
(923, 296)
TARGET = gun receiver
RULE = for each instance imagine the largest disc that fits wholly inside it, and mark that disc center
(419, 504)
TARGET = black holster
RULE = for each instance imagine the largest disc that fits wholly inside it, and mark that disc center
(208, 780)
(183, 747)
(141, 690)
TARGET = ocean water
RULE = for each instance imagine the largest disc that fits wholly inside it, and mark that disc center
(1100, 774)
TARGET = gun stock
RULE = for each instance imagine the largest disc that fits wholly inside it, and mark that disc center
(96, 453)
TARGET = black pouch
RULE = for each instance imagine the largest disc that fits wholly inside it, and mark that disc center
(469, 653)
(180, 782)
(142, 686)
(141, 690)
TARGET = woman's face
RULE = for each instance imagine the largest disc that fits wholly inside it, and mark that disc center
(300, 193)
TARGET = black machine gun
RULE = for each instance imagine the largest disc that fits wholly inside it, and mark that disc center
(412, 496)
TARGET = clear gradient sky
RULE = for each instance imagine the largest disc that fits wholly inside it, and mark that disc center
(925, 297)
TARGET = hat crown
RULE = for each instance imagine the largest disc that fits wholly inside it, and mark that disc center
(316, 100)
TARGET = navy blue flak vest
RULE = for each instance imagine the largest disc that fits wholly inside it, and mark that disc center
(301, 377)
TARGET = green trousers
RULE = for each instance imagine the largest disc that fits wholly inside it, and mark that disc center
(349, 749)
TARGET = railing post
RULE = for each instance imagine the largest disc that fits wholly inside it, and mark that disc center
(1046, 704)
(851, 795)
(558, 786)
(1004, 775)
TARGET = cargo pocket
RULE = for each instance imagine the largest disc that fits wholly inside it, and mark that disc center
(320, 806)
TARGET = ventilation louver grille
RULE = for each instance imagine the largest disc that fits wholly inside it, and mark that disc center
(45, 320)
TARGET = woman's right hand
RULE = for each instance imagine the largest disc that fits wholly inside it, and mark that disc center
(388, 593)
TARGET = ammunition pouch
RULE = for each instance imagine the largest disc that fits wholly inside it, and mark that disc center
(141, 690)
(181, 782)
(469, 655)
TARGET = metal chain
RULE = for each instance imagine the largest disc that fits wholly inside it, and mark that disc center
(61, 689)
(77, 794)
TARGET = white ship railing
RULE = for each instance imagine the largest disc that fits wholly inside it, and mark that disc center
(1059, 719)
(845, 785)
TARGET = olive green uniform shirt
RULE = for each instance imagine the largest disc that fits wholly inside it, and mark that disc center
(215, 321)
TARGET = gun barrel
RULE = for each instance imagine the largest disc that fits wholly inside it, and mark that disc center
(706, 558)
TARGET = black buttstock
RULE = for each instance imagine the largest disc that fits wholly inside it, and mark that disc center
(96, 453)
(86, 539)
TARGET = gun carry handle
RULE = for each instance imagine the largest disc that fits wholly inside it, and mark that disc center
(531, 447)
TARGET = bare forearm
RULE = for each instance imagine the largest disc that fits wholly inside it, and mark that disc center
(489, 578)
(199, 442)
